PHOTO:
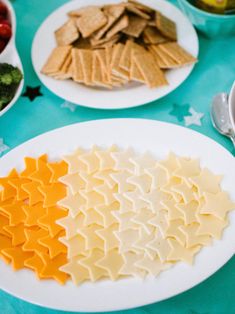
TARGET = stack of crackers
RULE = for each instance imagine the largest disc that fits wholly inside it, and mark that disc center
(108, 46)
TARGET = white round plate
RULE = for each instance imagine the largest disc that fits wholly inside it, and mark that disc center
(131, 95)
(159, 138)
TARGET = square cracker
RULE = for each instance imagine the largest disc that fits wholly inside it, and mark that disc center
(177, 53)
(125, 60)
(97, 71)
(113, 12)
(94, 42)
(135, 74)
(86, 57)
(78, 75)
(148, 68)
(151, 35)
(163, 60)
(115, 68)
(67, 33)
(135, 26)
(82, 43)
(90, 21)
(132, 8)
(83, 10)
(141, 6)
(166, 26)
(118, 26)
(63, 73)
(56, 59)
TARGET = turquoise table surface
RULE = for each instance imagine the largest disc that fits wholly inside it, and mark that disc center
(215, 72)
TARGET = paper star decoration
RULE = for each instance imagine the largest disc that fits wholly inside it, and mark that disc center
(69, 105)
(180, 111)
(3, 147)
(194, 118)
(32, 92)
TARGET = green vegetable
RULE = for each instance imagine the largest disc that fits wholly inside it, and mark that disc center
(10, 78)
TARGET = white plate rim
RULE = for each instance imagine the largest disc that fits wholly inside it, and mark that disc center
(104, 126)
(119, 98)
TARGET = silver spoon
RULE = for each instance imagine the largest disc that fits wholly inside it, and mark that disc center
(220, 116)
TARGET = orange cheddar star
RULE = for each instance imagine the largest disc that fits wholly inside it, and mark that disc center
(14, 212)
(17, 256)
(33, 192)
(8, 190)
(17, 184)
(51, 268)
(58, 169)
(17, 233)
(53, 193)
(32, 238)
(4, 221)
(35, 263)
(30, 167)
(33, 213)
(5, 243)
(43, 173)
(54, 246)
(49, 220)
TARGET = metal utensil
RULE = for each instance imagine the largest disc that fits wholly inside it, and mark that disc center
(220, 116)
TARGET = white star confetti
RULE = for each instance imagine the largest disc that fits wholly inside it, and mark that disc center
(69, 105)
(194, 119)
(3, 147)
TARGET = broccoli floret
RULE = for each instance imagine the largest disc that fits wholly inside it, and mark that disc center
(10, 78)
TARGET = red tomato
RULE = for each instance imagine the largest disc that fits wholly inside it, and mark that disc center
(4, 21)
(3, 9)
(2, 45)
(5, 31)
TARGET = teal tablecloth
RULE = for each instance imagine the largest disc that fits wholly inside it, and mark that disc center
(214, 73)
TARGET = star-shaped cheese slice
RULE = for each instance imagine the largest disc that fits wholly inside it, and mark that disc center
(91, 216)
(106, 160)
(54, 246)
(33, 193)
(92, 198)
(127, 238)
(160, 220)
(188, 211)
(174, 231)
(74, 162)
(90, 180)
(17, 256)
(192, 238)
(143, 241)
(33, 213)
(76, 271)
(158, 175)
(142, 162)
(211, 225)
(105, 176)
(125, 220)
(184, 191)
(48, 221)
(170, 164)
(52, 266)
(71, 225)
(17, 183)
(8, 190)
(75, 245)
(52, 193)
(217, 204)
(136, 199)
(92, 240)
(180, 253)
(129, 268)
(30, 167)
(4, 222)
(173, 211)
(91, 160)
(5, 243)
(89, 262)
(35, 263)
(206, 181)
(43, 173)
(153, 267)
(161, 246)
(142, 182)
(112, 263)
(187, 168)
(58, 169)
(73, 203)
(154, 199)
(32, 240)
(142, 217)
(108, 236)
(121, 179)
(17, 233)
(125, 205)
(122, 160)
(106, 192)
(74, 181)
(107, 213)
(14, 212)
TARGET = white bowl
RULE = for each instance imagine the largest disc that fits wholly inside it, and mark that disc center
(10, 55)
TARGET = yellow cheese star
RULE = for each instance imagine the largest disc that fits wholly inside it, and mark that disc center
(18, 183)
(142, 162)
(30, 167)
(153, 267)
(211, 225)
(73, 203)
(188, 211)
(71, 225)
(17, 233)
(192, 238)
(35, 263)
(108, 236)
(122, 160)
(112, 263)
(75, 245)
(54, 246)
(34, 195)
(17, 256)
(52, 193)
(92, 240)
(73, 181)
(33, 213)
(58, 170)
(180, 253)
(77, 272)
(174, 231)
(14, 212)
(107, 213)
(105, 158)
(74, 162)
(32, 240)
